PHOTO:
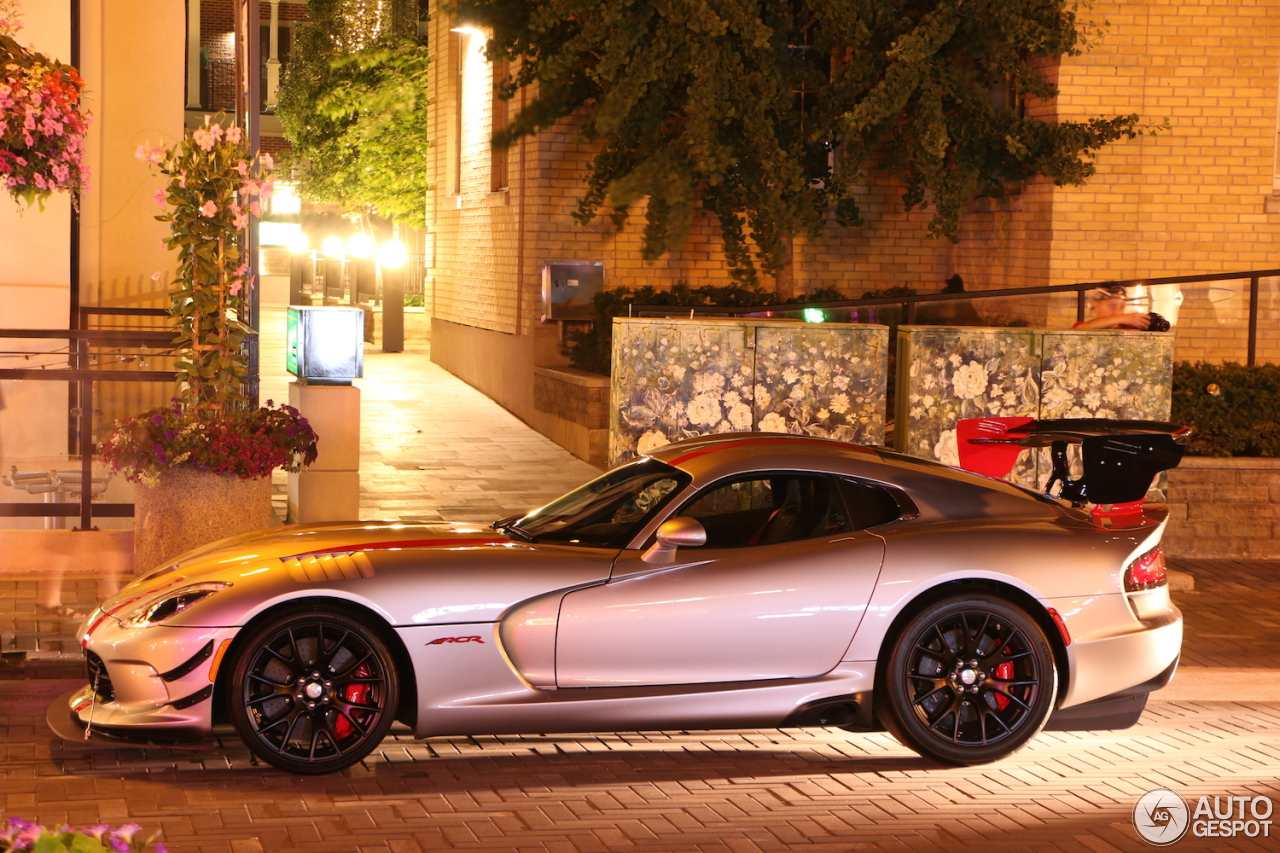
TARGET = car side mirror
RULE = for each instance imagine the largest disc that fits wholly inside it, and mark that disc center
(673, 534)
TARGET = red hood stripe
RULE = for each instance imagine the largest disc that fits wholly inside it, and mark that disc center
(727, 445)
(404, 543)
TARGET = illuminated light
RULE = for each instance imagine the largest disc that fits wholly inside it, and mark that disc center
(285, 200)
(360, 245)
(278, 233)
(217, 660)
(299, 244)
(333, 247)
(467, 31)
(814, 315)
(393, 255)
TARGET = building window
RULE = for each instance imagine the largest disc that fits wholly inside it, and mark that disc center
(498, 176)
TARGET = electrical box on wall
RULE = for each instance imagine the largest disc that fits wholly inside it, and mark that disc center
(569, 288)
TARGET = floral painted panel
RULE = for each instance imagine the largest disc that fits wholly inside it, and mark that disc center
(946, 374)
(822, 380)
(677, 379)
(949, 373)
(1124, 375)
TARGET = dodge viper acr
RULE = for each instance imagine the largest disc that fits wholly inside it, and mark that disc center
(731, 581)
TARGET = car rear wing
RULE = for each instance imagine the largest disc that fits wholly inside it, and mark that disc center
(1121, 458)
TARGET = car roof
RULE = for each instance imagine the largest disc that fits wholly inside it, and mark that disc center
(940, 491)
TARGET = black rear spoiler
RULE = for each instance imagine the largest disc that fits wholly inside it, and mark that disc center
(1121, 458)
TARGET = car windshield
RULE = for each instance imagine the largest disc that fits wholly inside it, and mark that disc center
(607, 512)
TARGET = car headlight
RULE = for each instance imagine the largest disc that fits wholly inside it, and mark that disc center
(155, 610)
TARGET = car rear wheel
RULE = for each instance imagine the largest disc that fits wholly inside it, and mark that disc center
(312, 691)
(970, 679)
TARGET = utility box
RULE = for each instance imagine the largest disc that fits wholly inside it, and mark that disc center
(324, 344)
(569, 289)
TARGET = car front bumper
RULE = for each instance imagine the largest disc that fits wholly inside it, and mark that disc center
(144, 684)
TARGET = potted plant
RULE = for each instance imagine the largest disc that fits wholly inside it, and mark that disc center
(204, 462)
(42, 122)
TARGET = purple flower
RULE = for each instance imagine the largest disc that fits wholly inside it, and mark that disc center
(157, 420)
(170, 434)
(122, 838)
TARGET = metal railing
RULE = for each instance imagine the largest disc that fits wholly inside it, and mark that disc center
(908, 306)
(92, 355)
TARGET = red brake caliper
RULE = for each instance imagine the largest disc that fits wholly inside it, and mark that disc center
(1004, 672)
(358, 694)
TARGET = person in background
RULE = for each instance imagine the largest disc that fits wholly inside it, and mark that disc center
(1109, 311)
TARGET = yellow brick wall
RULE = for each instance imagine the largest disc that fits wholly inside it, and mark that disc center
(1192, 199)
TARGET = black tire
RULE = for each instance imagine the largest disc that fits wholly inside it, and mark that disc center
(969, 680)
(312, 690)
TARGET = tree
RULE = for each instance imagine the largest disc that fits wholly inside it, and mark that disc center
(353, 103)
(766, 113)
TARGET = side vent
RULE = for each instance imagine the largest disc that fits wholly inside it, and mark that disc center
(329, 566)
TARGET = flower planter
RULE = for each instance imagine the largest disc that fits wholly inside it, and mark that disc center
(191, 508)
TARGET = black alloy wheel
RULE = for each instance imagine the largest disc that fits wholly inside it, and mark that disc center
(970, 679)
(312, 691)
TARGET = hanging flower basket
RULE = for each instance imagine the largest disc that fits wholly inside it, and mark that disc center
(42, 120)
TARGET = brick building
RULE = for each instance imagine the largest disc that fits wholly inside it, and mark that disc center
(1199, 197)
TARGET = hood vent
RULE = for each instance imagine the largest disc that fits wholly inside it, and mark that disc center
(329, 566)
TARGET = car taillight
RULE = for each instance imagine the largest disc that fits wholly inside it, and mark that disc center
(1146, 572)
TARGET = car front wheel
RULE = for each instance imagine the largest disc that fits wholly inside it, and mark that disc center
(312, 690)
(970, 679)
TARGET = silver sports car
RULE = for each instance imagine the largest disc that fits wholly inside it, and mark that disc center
(731, 581)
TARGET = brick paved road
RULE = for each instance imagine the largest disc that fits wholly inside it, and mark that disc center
(811, 790)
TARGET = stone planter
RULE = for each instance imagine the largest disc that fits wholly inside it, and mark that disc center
(573, 411)
(1224, 508)
(192, 508)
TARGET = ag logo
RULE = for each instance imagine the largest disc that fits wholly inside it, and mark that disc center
(456, 640)
(1161, 816)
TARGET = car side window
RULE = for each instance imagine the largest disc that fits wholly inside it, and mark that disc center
(868, 504)
(769, 509)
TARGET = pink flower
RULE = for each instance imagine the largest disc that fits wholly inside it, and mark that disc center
(208, 209)
(243, 168)
(159, 197)
(155, 276)
(234, 135)
(267, 162)
(268, 187)
(203, 139)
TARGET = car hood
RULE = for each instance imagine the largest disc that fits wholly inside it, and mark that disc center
(408, 574)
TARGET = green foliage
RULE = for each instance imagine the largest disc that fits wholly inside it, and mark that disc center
(212, 188)
(697, 108)
(896, 290)
(353, 104)
(1234, 410)
(213, 184)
